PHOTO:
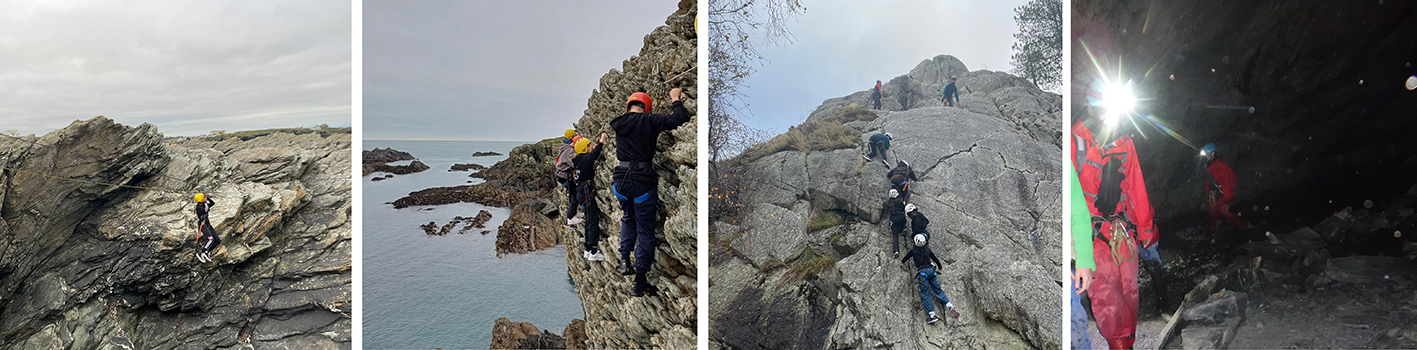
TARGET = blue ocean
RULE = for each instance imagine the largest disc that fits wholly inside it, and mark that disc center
(424, 291)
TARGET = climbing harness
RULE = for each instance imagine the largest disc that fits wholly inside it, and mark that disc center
(1119, 240)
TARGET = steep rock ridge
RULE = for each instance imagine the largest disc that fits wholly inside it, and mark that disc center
(989, 184)
(613, 318)
(90, 266)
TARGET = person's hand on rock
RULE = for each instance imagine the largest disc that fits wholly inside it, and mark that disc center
(674, 93)
(602, 137)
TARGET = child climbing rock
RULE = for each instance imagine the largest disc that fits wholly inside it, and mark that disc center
(586, 156)
(926, 277)
(207, 239)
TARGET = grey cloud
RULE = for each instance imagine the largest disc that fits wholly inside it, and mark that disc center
(187, 67)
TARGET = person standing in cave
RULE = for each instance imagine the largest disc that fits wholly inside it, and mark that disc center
(876, 95)
(586, 156)
(635, 181)
(895, 210)
(900, 178)
(1220, 184)
(925, 276)
(950, 91)
(1110, 175)
(565, 175)
(207, 238)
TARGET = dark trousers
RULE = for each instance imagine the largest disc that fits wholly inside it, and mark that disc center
(877, 148)
(209, 239)
(570, 196)
(877, 102)
(592, 216)
(637, 226)
(897, 228)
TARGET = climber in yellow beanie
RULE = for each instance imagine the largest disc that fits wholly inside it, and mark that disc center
(586, 155)
(206, 235)
(566, 175)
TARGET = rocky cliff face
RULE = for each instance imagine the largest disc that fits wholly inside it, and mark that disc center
(613, 318)
(91, 266)
(789, 277)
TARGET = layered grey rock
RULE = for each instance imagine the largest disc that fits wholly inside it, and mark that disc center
(669, 320)
(85, 265)
(989, 183)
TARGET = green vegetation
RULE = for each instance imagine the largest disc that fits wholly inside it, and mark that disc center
(821, 219)
(852, 113)
(809, 265)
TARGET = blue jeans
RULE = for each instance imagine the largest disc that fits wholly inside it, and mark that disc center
(1150, 254)
(929, 285)
(1081, 340)
(637, 226)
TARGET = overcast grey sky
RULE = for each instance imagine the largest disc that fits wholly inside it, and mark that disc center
(493, 70)
(845, 46)
(189, 67)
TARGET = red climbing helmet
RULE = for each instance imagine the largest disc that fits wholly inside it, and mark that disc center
(953, 78)
(642, 98)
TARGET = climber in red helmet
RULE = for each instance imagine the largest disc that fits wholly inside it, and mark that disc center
(635, 181)
(950, 94)
(1220, 184)
(1111, 178)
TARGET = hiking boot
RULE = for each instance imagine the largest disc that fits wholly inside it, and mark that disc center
(199, 258)
(897, 254)
(575, 220)
(642, 286)
(596, 256)
(585, 255)
(625, 269)
(863, 156)
(932, 319)
(953, 313)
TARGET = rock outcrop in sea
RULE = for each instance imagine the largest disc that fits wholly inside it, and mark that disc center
(809, 263)
(89, 265)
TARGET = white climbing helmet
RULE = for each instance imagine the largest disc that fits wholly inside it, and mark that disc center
(888, 136)
(907, 164)
(919, 240)
(910, 207)
(894, 193)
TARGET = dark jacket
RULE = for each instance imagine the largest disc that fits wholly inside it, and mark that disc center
(919, 224)
(882, 139)
(895, 209)
(635, 136)
(203, 209)
(585, 165)
(951, 91)
(902, 170)
(922, 256)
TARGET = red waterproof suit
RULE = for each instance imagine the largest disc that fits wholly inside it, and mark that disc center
(1220, 173)
(1114, 290)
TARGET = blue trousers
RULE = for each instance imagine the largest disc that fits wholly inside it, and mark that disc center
(1149, 254)
(930, 285)
(1081, 340)
(637, 226)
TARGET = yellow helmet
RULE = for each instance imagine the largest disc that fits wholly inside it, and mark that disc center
(570, 133)
(582, 145)
(200, 197)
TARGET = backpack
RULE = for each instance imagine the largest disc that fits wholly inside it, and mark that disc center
(564, 168)
(1109, 191)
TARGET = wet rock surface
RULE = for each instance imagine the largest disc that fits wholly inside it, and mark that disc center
(466, 167)
(485, 154)
(523, 335)
(415, 166)
(90, 266)
(988, 183)
(479, 221)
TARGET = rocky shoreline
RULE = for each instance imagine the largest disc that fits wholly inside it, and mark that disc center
(524, 335)
(377, 159)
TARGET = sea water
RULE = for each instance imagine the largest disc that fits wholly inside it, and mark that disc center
(423, 291)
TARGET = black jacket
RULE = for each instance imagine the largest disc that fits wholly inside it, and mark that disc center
(203, 208)
(585, 165)
(635, 133)
(918, 224)
(902, 170)
(922, 256)
(895, 209)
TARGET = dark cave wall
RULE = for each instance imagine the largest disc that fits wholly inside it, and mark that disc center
(1298, 63)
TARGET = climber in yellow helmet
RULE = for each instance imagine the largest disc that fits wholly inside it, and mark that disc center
(586, 156)
(207, 238)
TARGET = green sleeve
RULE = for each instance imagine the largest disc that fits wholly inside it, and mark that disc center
(1082, 227)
